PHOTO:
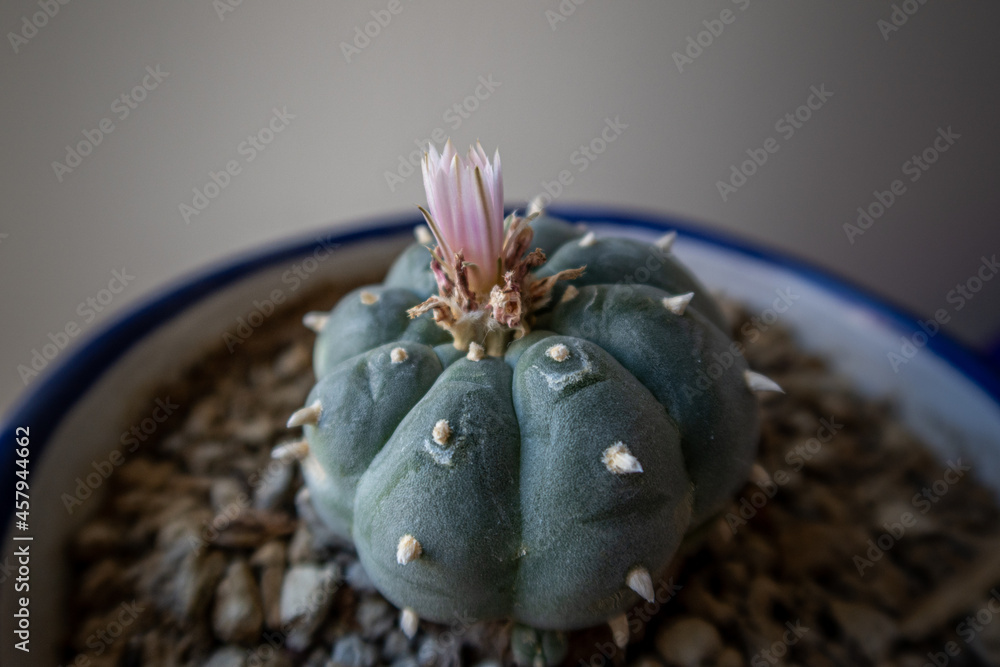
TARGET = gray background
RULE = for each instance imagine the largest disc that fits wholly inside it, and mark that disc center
(558, 83)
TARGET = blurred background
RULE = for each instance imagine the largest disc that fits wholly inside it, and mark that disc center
(144, 141)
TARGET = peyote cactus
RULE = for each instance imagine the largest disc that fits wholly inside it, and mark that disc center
(523, 435)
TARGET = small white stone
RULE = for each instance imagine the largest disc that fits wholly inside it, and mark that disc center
(588, 240)
(307, 415)
(423, 235)
(758, 475)
(291, 451)
(315, 320)
(368, 298)
(619, 460)
(476, 352)
(398, 355)
(638, 580)
(678, 304)
(558, 352)
(306, 593)
(570, 293)
(619, 630)
(408, 622)
(689, 641)
(441, 432)
(758, 382)
(408, 549)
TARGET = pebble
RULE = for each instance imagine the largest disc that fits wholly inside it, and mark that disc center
(688, 642)
(358, 579)
(238, 615)
(406, 661)
(987, 643)
(226, 495)
(352, 651)
(375, 616)
(202, 416)
(323, 537)
(306, 595)
(433, 652)
(96, 540)
(274, 488)
(300, 549)
(871, 631)
(145, 473)
(207, 457)
(270, 558)
(293, 361)
(730, 657)
(249, 528)
(271, 658)
(227, 656)
(317, 658)
(194, 582)
(395, 645)
(647, 661)
(701, 601)
(256, 431)
(99, 584)
(792, 559)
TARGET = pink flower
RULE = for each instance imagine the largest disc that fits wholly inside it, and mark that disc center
(465, 198)
(482, 264)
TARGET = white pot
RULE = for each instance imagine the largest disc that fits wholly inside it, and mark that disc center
(81, 407)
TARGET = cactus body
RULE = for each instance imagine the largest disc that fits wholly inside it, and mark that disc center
(553, 484)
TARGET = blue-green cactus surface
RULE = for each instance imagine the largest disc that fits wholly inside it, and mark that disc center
(552, 485)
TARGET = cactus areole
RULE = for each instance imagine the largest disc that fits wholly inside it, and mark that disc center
(523, 420)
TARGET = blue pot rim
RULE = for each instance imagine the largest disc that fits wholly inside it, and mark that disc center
(44, 407)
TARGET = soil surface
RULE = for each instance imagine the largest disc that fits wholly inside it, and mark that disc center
(851, 545)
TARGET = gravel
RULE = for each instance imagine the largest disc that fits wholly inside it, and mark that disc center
(829, 556)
